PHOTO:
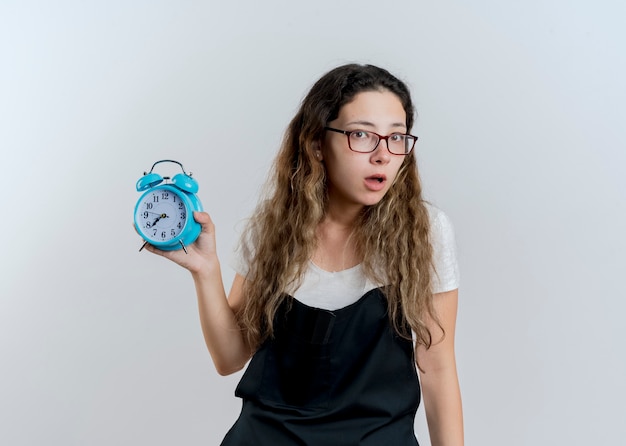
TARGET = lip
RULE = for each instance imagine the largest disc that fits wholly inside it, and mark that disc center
(376, 182)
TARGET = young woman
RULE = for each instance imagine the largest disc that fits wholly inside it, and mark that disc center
(346, 282)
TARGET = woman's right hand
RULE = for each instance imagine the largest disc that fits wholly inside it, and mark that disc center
(201, 255)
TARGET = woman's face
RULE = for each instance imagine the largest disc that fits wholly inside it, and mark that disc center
(362, 179)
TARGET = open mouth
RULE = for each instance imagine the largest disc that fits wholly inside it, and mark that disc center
(378, 178)
(375, 182)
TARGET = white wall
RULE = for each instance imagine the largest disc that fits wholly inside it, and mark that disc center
(522, 143)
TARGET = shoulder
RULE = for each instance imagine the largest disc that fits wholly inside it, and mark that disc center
(244, 249)
(440, 223)
(442, 239)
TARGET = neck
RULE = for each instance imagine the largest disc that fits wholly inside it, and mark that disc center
(341, 215)
(335, 250)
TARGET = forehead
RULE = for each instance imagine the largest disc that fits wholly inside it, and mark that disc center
(380, 107)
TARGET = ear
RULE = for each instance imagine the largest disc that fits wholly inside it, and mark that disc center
(317, 150)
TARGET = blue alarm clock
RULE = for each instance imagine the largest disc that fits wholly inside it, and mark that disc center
(164, 212)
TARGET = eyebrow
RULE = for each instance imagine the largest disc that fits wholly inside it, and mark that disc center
(371, 124)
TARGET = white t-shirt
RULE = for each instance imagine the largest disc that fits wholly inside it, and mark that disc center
(334, 290)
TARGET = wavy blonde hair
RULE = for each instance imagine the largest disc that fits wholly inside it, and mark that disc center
(392, 237)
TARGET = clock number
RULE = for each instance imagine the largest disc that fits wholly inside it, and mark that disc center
(155, 199)
(154, 232)
(145, 214)
(165, 195)
(180, 205)
(183, 215)
(148, 224)
(148, 205)
(173, 233)
(179, 225)
(163, 234)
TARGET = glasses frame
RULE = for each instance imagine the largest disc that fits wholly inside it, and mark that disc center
(380, 138)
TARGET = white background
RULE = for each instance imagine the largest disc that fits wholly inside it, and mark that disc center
(522, 142)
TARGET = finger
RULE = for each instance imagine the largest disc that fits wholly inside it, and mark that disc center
(202, 217)
(170, 255)
(205, 221)
(154, 250)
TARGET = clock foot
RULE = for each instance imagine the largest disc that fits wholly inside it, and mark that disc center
(143, 246)
(183, 246)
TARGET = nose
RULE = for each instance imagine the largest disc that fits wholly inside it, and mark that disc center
(381, 155)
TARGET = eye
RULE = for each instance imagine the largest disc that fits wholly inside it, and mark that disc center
(397, 137)
(359, 134)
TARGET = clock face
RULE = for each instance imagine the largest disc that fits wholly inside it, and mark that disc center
(161, 215)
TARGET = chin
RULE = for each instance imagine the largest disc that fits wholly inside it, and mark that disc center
(374, 200)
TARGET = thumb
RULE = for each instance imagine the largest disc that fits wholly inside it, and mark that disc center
(204, 219)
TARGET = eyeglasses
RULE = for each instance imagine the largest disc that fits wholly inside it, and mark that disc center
(364, 141)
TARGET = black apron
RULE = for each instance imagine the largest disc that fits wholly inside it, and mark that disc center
(340, 378)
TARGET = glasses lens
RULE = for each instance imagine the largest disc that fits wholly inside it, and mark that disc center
(400, 144)
(362, 141)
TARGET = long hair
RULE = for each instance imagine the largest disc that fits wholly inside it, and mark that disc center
(392, 236)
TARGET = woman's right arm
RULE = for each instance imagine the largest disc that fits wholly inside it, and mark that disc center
(222, 333)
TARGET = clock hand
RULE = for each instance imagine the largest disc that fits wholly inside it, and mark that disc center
(159, 218)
